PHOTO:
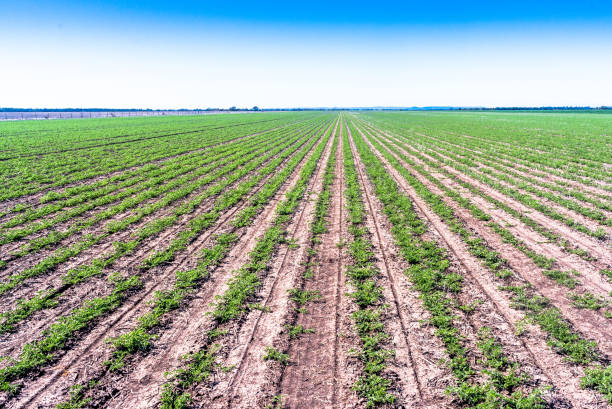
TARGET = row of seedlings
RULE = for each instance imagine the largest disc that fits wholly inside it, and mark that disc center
(40, 353)
(374, 385)
(563, 338)
(243, 288)
(581, 296)
(136, 343)
(499, 382)
(48, 298)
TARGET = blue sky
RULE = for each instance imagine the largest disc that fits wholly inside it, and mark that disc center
(281, 54)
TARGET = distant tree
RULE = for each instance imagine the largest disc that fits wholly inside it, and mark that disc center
(255, 108)
(233, 109)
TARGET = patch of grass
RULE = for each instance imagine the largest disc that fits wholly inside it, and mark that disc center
(76, 399)
(296, 330)
(292, 243)
(273, 354)
(588, 301)
(565, 278)
(504, 273)
(308, 274)
(599, 379)
(277, 402)
(302, 297)
(259, 307)
(606, 273)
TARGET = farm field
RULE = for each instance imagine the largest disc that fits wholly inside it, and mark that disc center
(307, 260)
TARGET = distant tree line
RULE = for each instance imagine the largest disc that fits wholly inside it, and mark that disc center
(256, 108)
(563, 108)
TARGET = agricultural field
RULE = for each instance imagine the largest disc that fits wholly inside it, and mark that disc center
(307, 260)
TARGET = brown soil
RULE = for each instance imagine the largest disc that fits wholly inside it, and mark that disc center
(315, 378)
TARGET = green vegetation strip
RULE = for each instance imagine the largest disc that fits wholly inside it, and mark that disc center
(47, 299)
(562, 338)
(233, 163)
(523, 198)
(519, 182)
(467, 151)
(243, 286)
(150, 176)
(505, 234)
(372, 386)
(25, 176)
(429, 275)
(166, 301)
(568, 145)
(170, 181)
(141, 338)
(39, 353)
(547, 233)
(490, 161)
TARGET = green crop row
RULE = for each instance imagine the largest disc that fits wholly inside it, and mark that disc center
(493, 162)
(544, 231)
(429, 274)
(520, 182)
(241, 287)
(563, 339)
(37, 354)
(467, 149)
(373, 385)
(48, 298)
(64, 254)
(507, 236)
(193, 168)
(25, 176)
(573, 146)
(523, 198)
(102, 191)
(141, 338)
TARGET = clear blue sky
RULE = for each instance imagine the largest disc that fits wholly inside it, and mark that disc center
(281, 54)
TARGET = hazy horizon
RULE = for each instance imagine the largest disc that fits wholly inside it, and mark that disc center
(195, 55)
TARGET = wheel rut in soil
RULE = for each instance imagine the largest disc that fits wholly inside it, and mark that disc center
(245, 385)
(314, 378)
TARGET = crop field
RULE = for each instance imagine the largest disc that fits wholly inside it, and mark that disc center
(307, 260)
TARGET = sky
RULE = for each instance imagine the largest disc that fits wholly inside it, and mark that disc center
(199, 54)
